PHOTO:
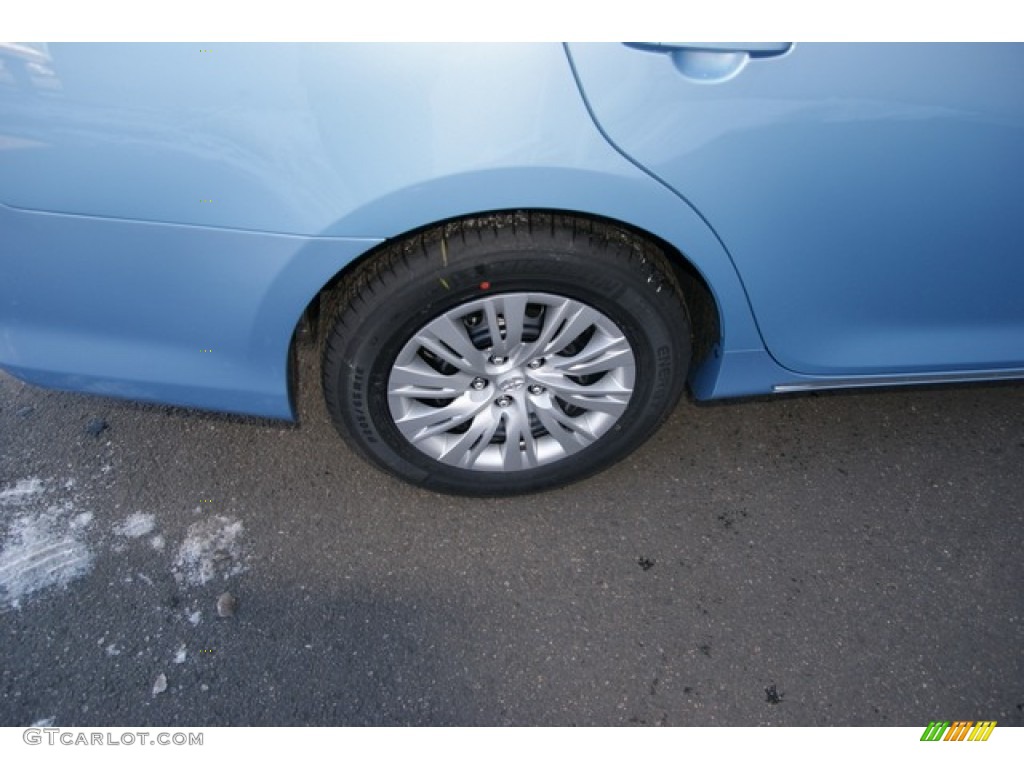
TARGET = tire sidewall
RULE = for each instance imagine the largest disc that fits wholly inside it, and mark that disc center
(648, 314)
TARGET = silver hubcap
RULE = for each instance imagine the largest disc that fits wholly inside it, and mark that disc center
(511, 381)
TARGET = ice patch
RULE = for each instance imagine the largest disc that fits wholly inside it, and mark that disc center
(211, 548)
(82, 520)
(179, 657)
(194, 618)
(136, 526)
(157, 542)
(40, 552)
(22, 491)
(43, 544)
(46, 722)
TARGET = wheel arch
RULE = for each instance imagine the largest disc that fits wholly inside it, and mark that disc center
(702, 304)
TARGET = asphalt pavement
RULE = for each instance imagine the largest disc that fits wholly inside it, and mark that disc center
(833, 559)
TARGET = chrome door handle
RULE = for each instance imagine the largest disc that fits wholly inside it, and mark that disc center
(713, 62)
(754, 50)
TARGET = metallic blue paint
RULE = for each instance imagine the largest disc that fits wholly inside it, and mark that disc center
(160, 200)
(869, 195)
(188, 315)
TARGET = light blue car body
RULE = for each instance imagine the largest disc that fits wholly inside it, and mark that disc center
(169, 211)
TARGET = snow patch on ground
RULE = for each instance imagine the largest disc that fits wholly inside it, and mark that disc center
(212, 548)
(136, 526)
(47, 540)
(21, 491)
(42, 543)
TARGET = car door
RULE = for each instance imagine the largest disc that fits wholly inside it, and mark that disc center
(869, 195)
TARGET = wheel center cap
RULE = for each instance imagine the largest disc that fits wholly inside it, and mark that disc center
(512, 384)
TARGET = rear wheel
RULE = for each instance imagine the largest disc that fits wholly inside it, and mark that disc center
(506, 355)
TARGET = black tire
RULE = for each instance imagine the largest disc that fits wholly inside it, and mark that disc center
(520, 284)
